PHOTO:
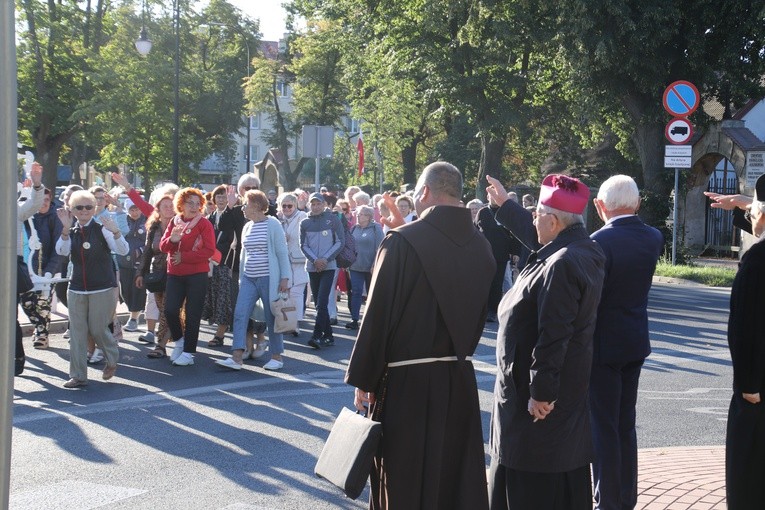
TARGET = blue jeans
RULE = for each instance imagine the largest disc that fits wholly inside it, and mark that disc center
(250, 290)
(358, 280)
(321, 285)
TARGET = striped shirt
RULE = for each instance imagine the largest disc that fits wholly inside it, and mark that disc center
(256, 244)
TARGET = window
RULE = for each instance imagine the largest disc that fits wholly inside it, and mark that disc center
(255, 121)
(253, 153)
(282, 87)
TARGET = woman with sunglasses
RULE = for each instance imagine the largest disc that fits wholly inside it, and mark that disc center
(189, 242)
(291, 217)
(92, 283)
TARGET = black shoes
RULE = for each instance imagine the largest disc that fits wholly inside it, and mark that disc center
(20, 365)
(318, 342)
(333, 322)
(352, 325)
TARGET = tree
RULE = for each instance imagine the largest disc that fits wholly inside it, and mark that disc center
(626, 52)
(54, 53)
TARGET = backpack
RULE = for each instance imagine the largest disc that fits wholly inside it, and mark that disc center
(347, 255)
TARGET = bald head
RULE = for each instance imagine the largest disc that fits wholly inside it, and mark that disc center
(443, 179)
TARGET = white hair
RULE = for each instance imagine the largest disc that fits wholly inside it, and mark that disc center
(567, 218)
(619, 192)
(361, 197)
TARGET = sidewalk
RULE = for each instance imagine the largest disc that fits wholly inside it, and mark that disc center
(681, 478)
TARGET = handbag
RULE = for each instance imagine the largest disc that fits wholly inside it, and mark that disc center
(347, 456)
(23, 280)
(285, 314)
(155, 281)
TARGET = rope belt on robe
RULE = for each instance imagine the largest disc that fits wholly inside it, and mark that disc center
(425, 360)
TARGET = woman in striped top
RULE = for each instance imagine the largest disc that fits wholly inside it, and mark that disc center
(264, 272)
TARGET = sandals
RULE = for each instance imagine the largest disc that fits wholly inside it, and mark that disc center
(40, 343)
(157, 352)
(217, 341)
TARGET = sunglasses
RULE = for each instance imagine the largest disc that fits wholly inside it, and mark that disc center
(287, 206)
(85, 207)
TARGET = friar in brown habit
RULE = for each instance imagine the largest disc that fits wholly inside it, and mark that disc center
(424, 317)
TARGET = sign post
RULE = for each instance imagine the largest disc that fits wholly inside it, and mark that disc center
(680, 100)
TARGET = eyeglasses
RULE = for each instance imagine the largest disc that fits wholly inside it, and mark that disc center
(287, 206)
(86, 207)
(345, 209)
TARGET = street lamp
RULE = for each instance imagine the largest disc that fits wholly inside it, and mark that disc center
(241, 32)
(143, 45)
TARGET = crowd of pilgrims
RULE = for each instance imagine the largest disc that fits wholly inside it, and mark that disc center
(185, 256)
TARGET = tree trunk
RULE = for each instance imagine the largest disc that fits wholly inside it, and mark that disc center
(409, 158)
(658, 182)
(492, 151)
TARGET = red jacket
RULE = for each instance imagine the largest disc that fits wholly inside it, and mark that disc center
(196, 247)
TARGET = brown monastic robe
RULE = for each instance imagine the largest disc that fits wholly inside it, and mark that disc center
(427, 299)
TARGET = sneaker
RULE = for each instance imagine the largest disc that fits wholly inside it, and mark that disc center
(260, 350)
(352, 325)
(229, 363)
(328, 341)
(177, 350)
(147, 337)
(132, 325)
(274, 364)
(315, 342)
(184, 360)
(96, 357)
(66, 333)
(333, 322)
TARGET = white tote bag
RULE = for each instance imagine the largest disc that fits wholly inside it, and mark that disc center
(285, 314)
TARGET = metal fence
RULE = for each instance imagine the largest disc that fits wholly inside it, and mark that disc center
(720, 235)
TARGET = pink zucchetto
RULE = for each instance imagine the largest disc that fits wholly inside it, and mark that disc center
(564, 193)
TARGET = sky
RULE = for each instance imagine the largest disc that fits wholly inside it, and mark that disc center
(269, 12)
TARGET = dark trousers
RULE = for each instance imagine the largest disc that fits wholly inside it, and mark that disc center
(192, 289)
(495, 291)
(358, 280)
(745, 455)
(613, 396)
(134, 298)
(321, 285)
(523, 490)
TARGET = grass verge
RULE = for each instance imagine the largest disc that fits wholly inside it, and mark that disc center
(712, 276)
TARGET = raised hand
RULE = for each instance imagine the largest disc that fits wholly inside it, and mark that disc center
(497, 193)
(122, 181)
(66, 218)
(177, 232)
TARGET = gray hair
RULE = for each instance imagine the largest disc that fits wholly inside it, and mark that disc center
(362, 197)
(246, 179)
(619, 192)
(289, 197)
(443, 178)
(365, 209)
(474, 203)
(566, 218)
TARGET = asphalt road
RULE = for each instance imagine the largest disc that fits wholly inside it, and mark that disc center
(159, 436)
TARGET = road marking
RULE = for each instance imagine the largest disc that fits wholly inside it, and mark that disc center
(61, 496)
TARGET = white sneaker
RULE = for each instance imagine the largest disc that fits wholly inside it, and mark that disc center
(184, 360)
(274, 364)
(96, 357)
(260, 350)
(132, 325)
(66, 333)
(229, 363)
(147, 337)
(177, 350)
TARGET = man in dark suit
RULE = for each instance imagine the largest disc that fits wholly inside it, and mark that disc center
(621, 341)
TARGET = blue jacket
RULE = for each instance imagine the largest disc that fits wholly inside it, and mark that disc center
(48, 228)
(632, 249)
(321, 237)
